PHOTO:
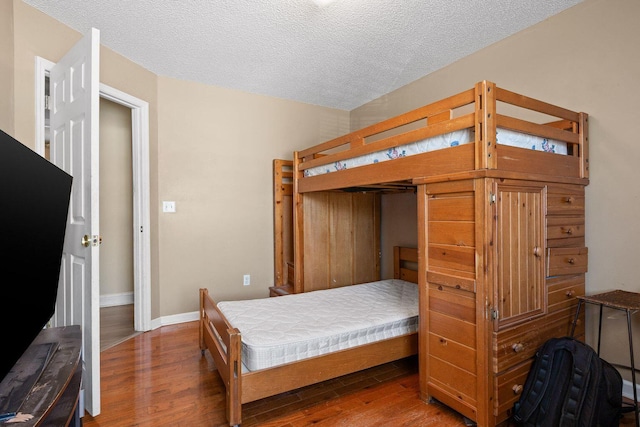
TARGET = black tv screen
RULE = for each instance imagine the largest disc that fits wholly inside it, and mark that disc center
(34, 195)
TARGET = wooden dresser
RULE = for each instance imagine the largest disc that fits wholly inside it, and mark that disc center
(505, 259)
(45, 382)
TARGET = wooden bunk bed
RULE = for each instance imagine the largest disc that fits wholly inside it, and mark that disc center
(225, 344)
(501, 245)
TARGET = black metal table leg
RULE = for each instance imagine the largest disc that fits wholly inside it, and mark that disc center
(633, 370)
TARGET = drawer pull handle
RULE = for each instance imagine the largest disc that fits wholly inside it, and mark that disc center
(517, 389)
(517, 347)
(569, 199)
(569, 231)
(570, 293)
(571, 261)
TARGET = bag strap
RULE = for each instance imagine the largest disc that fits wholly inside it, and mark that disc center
(585, 370)
(537, 383)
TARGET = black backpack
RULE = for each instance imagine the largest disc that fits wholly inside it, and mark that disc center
(569, 385)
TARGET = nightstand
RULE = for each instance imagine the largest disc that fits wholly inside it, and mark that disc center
(278, 291)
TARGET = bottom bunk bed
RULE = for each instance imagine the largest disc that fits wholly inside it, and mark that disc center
(258, 347)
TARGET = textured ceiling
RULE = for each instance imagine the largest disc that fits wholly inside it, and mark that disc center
(340, 55)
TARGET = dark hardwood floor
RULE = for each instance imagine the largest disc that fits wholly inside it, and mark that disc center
(116, 325)
(161, 378)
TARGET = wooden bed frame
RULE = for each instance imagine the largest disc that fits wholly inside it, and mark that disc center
(483, 312)
(224, 344)
(490, 107)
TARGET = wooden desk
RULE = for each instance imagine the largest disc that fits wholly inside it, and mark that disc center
(619, 300)
(45, 382)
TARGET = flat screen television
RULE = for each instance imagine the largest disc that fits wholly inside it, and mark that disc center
(34, 196)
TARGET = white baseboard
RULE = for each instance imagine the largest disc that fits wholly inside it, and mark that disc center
(627, 389)
(112, 300)
(175, 319)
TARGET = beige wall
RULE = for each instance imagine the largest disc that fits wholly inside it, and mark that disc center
(216, 148)
(398, 227)
(585, 59)
(6, 67)
(116, 200)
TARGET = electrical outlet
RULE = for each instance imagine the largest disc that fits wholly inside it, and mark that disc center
(169, 207)
(246, 280)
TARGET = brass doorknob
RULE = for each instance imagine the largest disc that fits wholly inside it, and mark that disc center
(89, 240)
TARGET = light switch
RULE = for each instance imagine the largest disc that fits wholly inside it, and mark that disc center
(168, 206)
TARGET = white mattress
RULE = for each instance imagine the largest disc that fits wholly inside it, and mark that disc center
(452, 139)
(284, 329)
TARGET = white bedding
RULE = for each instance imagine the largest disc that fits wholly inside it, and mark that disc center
(284, 329)
(452, 139)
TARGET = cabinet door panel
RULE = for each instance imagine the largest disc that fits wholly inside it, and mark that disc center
(520, 252)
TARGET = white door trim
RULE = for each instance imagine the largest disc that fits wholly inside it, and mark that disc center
(141, 191)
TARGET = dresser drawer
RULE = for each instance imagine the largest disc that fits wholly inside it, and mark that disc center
(563, 290)
(565, 200)
(566, 261)
(508, 388)
(564, 231)
(515, 345)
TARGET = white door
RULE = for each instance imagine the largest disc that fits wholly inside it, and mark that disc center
(75, 96)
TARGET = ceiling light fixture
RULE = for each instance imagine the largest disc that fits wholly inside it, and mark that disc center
(323, 3)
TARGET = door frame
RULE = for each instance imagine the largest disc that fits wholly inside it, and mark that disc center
(141, 192)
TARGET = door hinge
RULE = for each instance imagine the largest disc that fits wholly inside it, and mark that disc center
(492, 198)
(47, 99)
(494, 313)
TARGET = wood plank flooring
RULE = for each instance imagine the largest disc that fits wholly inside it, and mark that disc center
(161, 378)
(116, 325)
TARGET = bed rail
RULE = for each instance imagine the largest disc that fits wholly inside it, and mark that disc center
(224, 345)
(483, 110)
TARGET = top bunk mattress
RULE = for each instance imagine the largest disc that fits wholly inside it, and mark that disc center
(438, 142)
(289, 328)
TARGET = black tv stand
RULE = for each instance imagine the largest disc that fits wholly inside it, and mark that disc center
(45, 382)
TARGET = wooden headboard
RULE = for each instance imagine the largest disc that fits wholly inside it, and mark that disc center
(405, 264)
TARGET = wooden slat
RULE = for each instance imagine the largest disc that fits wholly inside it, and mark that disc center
(434, 109)
(452, 281)
(535, 129)
(268, 382)
(527, 161)
(453, 328)
(453, 352)
(438, 128)
(450, 160)
(453, 302)
(451, 257)
(535, 105)
(458, 233)
(453, 377)
(584, 145)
